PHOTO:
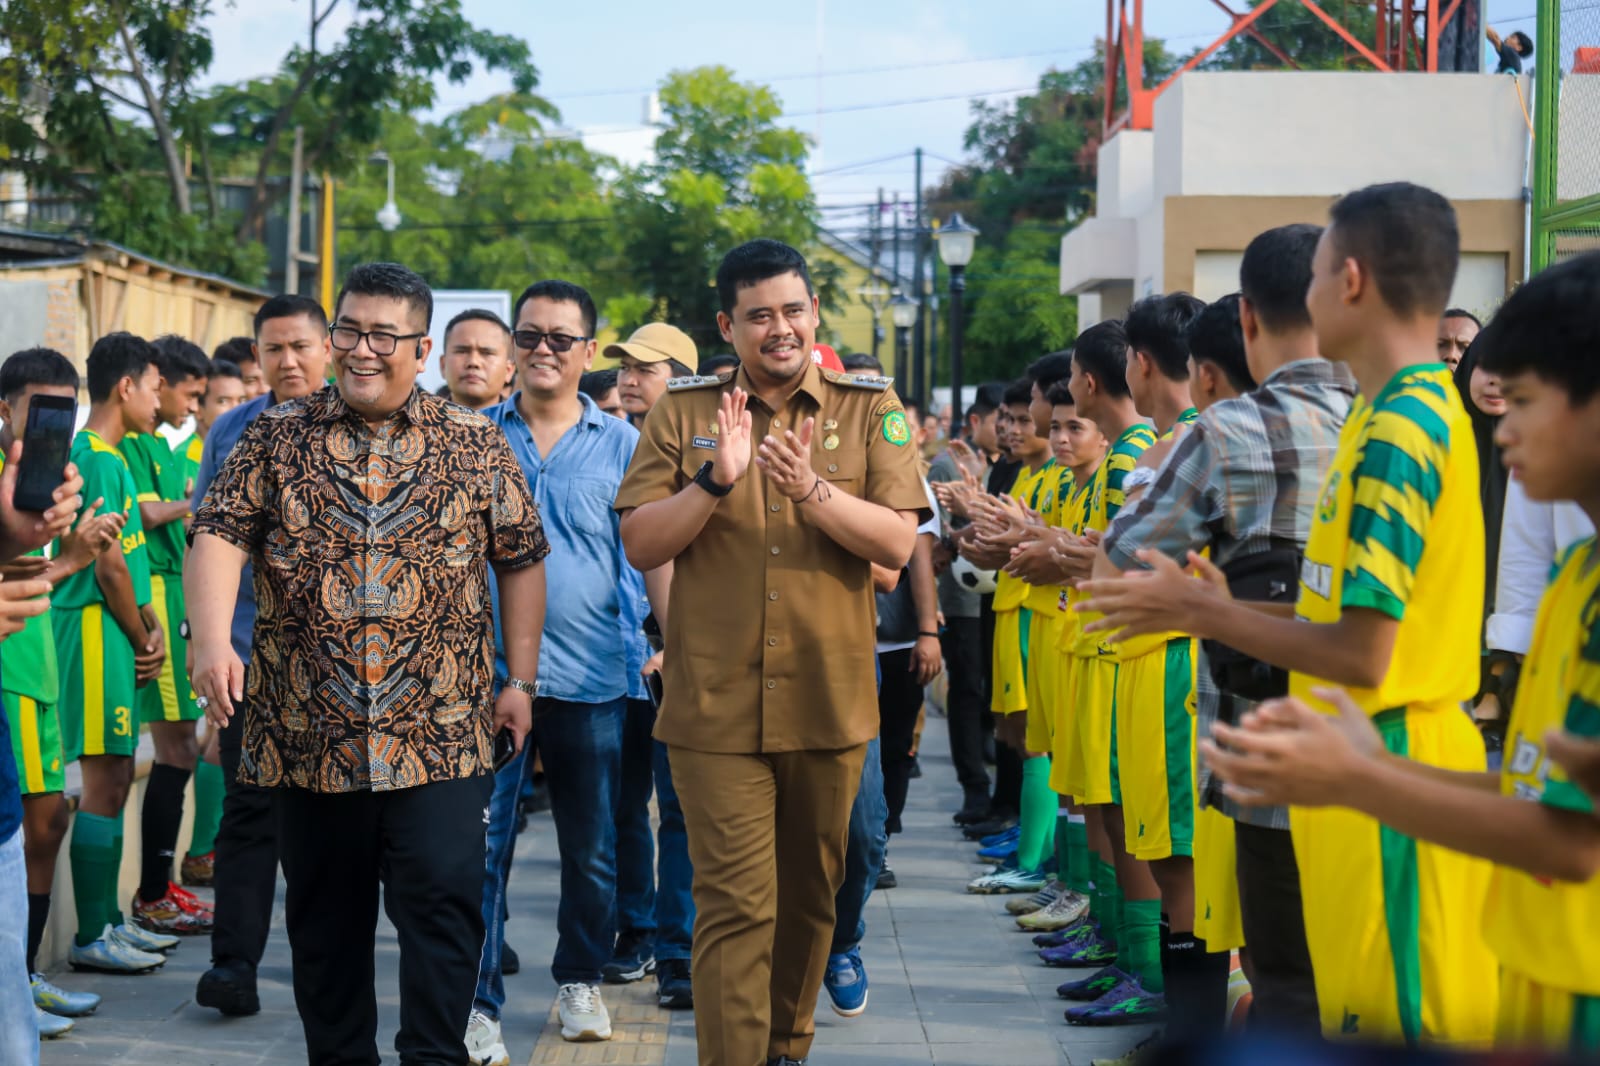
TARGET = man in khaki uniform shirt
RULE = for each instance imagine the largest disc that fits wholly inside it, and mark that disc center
(769, 683)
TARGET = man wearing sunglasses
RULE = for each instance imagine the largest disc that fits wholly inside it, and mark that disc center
(573, 455)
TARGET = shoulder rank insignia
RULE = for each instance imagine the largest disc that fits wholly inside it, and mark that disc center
(858, 381)
(698, 381)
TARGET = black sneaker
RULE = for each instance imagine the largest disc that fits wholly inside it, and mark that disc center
(509, 962)
(674, 989)
(230, 987)
(995, 823)
(975, 809)
(886, 877)
(632, 958)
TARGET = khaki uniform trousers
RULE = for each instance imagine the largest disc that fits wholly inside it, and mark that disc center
(767, 838)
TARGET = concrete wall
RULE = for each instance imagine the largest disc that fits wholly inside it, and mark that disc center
(1327, 133)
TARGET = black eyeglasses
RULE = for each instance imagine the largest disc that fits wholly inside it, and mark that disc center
(529, 339)
(345, 338)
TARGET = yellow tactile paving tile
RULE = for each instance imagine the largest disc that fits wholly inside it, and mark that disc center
(638, 1032)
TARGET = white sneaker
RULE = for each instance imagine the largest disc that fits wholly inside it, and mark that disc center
(484, 1045)
(1065, 910)
(1038, 901)
(142, 939)
(583, 1014)
(109, 953)
(51, 1025)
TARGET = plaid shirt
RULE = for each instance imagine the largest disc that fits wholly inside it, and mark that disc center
(1246, 472)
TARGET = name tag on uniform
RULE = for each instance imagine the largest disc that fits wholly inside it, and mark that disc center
(704, 442)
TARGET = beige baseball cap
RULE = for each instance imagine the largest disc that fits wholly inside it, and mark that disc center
(657, 342)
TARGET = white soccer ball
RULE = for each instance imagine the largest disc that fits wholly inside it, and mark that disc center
(972, 578)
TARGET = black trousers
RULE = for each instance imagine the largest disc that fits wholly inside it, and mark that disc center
(1275, 931)
(967, 706)
(426, 847)
(247, 858)
(899, 698)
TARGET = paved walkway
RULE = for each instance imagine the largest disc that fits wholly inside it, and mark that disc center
(953, 982)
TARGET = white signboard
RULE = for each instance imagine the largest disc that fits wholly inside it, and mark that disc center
(447, 304)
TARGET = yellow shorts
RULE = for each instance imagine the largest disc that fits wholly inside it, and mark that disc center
(1395, 925)
(1080, 766)
(1155, 750)
(1010, 681)
(1537, 1017)
(1217, 920)
(1046, 667)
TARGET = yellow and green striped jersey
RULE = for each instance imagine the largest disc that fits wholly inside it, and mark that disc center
(106, 476)
(1550, 931)
(1009, 592)
(187, 454)
(1047, 499)
(159, 479)
(1106, 497)
(1071, 513)
(1398, 529)
(1187, 418)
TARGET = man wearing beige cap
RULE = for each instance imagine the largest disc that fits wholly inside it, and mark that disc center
(655, 353)
(655, 915)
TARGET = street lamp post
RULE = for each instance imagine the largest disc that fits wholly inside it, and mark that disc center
(903, 309)
(956, 240)
(875, 294)
(389, 213)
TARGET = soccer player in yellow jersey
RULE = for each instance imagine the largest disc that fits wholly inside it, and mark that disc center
(1389, 607)
(1543, 915)
(1035, 489)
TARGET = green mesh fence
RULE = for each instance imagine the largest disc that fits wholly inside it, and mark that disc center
(1566, 176)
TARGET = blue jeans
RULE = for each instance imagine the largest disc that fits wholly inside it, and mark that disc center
(581, 745)
(501, 841)
(863, 855)
(636, 860)
(19, 1025)
(674, 901)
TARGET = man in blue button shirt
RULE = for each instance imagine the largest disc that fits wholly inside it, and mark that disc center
(293, 351)
(574, 456)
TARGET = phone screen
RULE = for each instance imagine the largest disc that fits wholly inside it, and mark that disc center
(46, 447)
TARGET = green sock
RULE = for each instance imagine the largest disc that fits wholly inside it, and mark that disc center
(1076, 834)
(1111, 926)
(95, 856)
(114, 913)
(1141, 920)
(1038, 819)
(207, 807)
(1062, 858)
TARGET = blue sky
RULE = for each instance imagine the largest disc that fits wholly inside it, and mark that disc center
(597, 61)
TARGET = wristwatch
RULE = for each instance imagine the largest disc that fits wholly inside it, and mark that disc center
(703, 478)
(527, 688)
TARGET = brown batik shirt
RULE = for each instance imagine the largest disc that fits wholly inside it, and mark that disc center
(373, 660)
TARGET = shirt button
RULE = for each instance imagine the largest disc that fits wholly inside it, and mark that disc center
(772, 684)
(772, 642)
(772, 595)
(777, 423)
(776, 508)
(833, 468)
(774, 549)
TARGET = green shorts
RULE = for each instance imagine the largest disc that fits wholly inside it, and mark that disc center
(36, 744)
(97, 683)
(170, 698)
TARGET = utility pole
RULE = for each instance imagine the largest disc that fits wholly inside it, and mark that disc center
(899, 369)
(291, 254)
(872, 230)
(919, 335)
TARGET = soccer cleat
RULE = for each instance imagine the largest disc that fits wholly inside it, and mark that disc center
(632, 959)
(60, 1002)
(999, 855)
(199, 870)
(583, 1013)
(1007, 881)
(1094, 986)
(1011, 836)
(52, 1025)
(1134, 1055)
(230, 987)
(1127, 1004)
(484, 1044)
(674, 986)
(189, 902)
(1086, 951)
(1063, 912)
(167, 915)
(143, 939)
(1038, 901)
(846, 982)
(110, 953)
(997, 824)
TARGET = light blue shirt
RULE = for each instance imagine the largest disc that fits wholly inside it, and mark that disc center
(584, 652)
(225, 433)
